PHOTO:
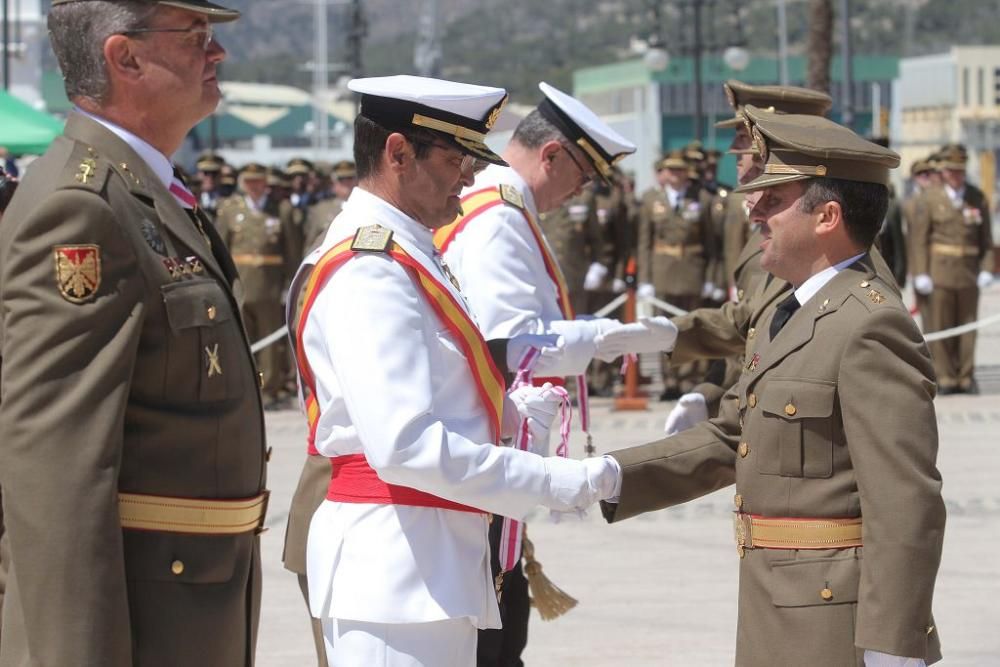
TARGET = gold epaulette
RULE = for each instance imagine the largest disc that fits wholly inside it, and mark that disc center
(510, 195)
(86, 169)
(372, 238)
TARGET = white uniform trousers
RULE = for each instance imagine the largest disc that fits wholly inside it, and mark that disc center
(447, 643)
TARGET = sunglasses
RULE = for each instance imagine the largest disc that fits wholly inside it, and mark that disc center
(206, 32)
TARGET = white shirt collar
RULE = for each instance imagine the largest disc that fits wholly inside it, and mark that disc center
(956, 196)
(154, 159)
(365, 208)
(674, 195)
(497, 175)
(817, 281)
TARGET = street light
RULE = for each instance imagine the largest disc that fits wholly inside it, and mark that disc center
(736, 58)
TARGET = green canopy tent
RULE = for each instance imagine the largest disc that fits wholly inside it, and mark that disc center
(24, 129)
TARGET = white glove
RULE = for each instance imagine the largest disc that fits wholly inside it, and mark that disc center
(923, 284)
(576, 485)
(718, 294)
(690, 409)
(618, 285)
(879, 659)
(539, 405)
(646, 291)
(575, 349)
(653, 334)
(595, 276)
(707, 289)
(984, 279)
(518, 345)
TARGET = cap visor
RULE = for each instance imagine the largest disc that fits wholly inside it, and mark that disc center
(730, 122)
(477, 149)
(215, 13)
(769, 181)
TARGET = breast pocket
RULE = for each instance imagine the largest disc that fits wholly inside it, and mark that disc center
(205, 347)
(797, 428)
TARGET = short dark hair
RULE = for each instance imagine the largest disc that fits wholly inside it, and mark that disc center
(863, 205)
(369, 141)
(535, 130)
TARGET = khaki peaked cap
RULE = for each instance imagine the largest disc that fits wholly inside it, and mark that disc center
(796, 147)
(777, 99)
(213, 12)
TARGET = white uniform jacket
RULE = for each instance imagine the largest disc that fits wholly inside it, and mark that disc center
(500, 267)
(393, 384)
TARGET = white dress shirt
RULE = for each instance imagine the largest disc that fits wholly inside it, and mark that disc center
(392, 383)
(815, 282)
(154, 159)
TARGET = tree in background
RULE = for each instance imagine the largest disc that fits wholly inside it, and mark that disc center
(820, 45)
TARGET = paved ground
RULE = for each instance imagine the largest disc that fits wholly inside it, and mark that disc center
(660, 589)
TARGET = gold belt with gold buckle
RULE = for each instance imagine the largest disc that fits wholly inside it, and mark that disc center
(758, 532)
(139, 511)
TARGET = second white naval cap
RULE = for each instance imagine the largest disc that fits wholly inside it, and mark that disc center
(601, 144)
(461, 113)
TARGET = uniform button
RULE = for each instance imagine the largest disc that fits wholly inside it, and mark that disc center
(790, 410)
(738, 501)
(211, 312)
(752, 400)
(751, 333)
(865, 283)
(744, 449)
(826, 594)
(177, 567)
(260, 379)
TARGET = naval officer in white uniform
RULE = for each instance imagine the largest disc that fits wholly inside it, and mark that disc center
(397, 581)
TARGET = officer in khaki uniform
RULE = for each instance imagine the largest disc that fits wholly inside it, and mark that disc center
(209, 166)
(952, 245)
(574, 235)
(263, 240)
(924, 174)
(133, 454)
(741, 248)
(839, 517)
(675, 247)
(343, 178)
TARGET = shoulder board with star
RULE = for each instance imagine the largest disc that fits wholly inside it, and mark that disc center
(85, 169)
(872, 291)
(372, 238)
(510, 195)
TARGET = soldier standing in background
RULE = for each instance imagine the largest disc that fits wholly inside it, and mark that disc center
(209, 166)
(676, 242)
(303, 183)
(924, 175)
(263, 240)
(343, 179)
(952, 244)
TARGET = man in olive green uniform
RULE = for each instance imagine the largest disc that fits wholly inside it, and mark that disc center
(319, 216)
(839, 517)
(209, 166)
(132, 456)
(924, 174)
(952, 261)
(741, 246)
(263, 240)
(574, 236)
(676, 241)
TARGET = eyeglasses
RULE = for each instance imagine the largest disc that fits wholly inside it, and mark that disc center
(469, 162)
(586, 176)
(207, 33)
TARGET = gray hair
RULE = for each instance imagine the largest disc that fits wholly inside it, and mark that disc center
(535, 130)
(78, 30)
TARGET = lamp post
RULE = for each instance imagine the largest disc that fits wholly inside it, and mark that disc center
(695, 42)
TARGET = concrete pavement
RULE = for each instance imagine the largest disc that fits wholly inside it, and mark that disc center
(660, 589)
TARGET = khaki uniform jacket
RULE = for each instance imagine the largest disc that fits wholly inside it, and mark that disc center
(617, 232)
(317, 222)
(265, 245)
(574, 235)
(113, 387)
(833, 418)
(963, 234)
(676, 247)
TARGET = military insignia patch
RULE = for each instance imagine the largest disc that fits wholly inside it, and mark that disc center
(875, 296)
(372, 238)
(495, 113)
(730, 95)
(78, 271)
(752, 364)
(510, 195)
(759, 144)
(86, 170)
(152, 236)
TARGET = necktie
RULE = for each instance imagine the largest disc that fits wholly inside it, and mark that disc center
(181, 193)
(784, 312)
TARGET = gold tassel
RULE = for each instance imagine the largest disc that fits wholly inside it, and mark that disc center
(550, 600)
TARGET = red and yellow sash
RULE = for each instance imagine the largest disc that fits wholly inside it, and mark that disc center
(475, 203)
(355, 484)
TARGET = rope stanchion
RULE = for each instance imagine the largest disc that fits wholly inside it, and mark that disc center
(612, 305)
(269, 339)
(965, 328)
(663, 305)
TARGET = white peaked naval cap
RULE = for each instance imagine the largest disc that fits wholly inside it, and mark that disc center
(602, 145)
(461, 113)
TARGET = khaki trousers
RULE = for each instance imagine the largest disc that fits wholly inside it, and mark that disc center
(954, 357)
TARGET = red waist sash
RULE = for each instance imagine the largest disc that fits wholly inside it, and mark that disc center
(354, 481)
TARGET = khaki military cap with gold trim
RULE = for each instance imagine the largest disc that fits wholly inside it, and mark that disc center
(777, 99)
(796, 147)
(920, 167)
(213, 12)
(277, 178)
(345, 169)
(299, 165)
(253, 170)
(672, 160)
(209, 162)
(952, 156)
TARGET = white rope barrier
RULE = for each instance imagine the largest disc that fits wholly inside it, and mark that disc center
(274, 337)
